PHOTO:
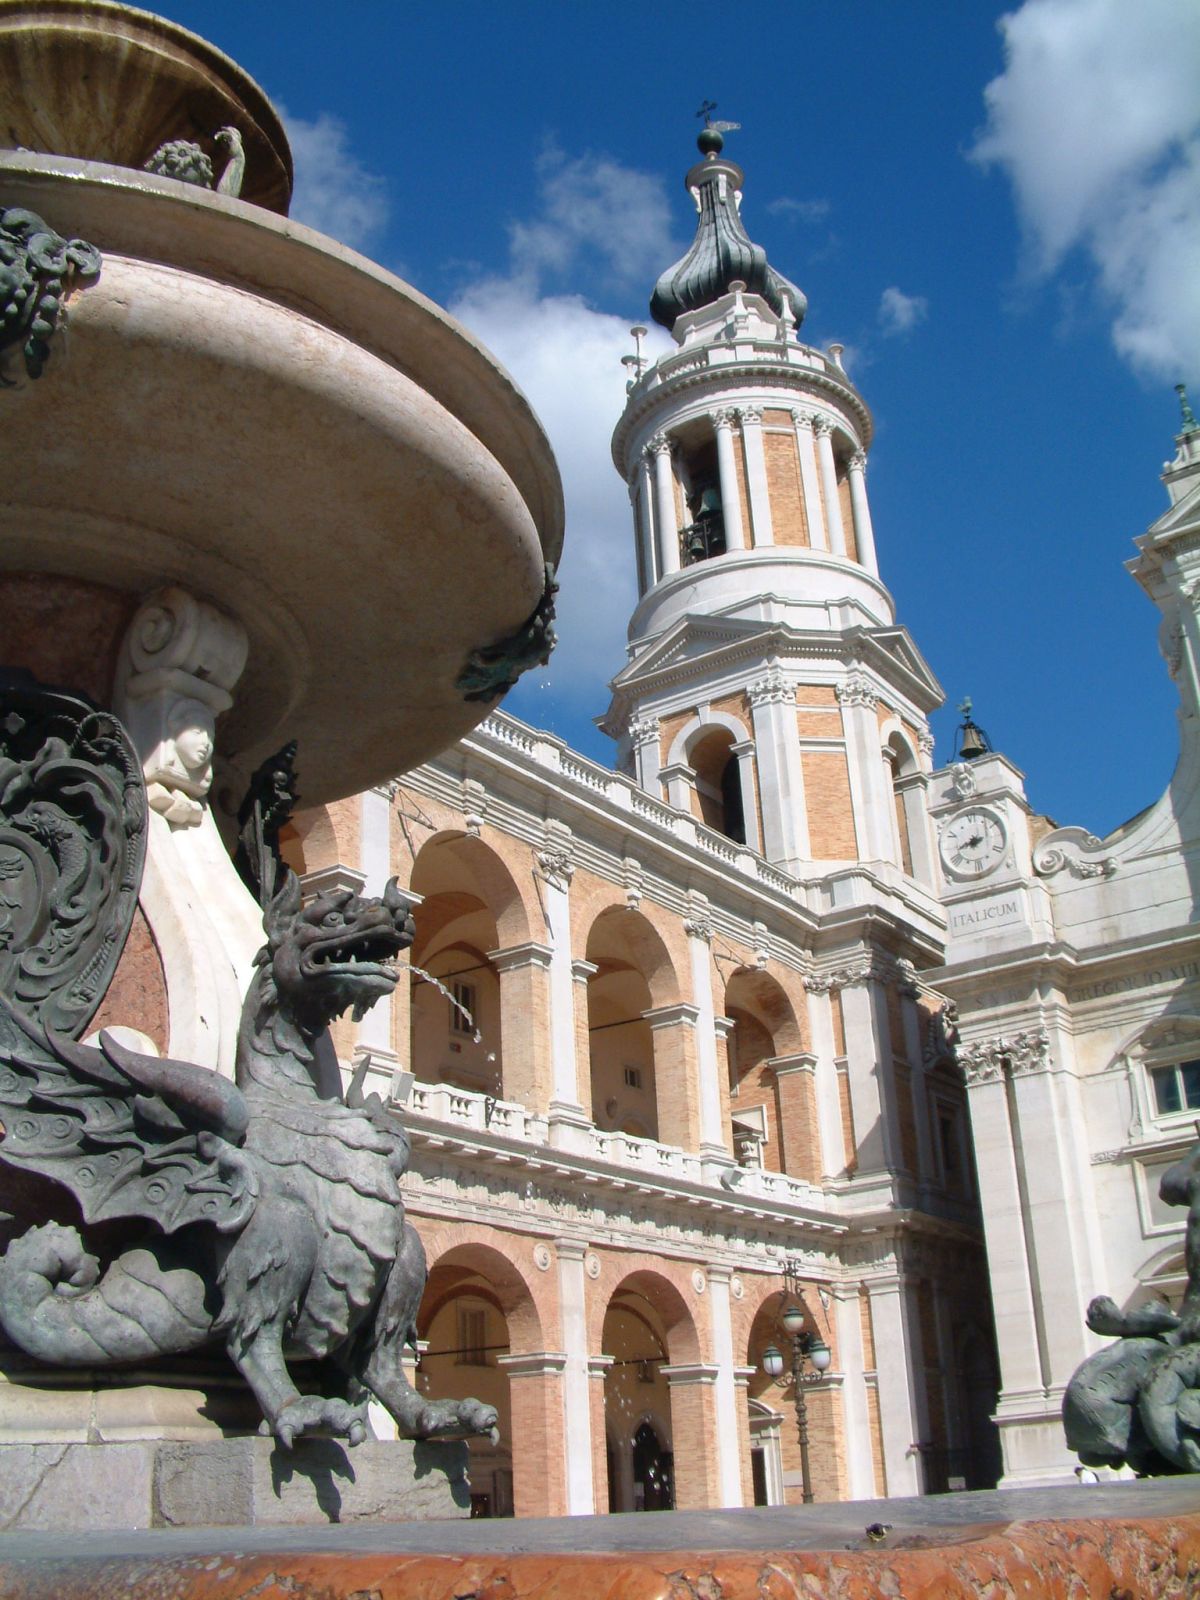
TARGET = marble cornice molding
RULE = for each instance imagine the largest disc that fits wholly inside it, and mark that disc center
(767, 374)
(1012, 1054)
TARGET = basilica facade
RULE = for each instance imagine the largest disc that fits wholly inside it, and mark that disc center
(668, 1061)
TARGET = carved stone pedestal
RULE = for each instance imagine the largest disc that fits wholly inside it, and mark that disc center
(242, 1482)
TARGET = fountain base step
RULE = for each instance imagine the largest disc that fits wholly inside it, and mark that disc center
(245, 1483)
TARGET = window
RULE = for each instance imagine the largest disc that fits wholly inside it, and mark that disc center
(1176, 1088)
(633, 1077)
(472, 1337)
(462, 1009)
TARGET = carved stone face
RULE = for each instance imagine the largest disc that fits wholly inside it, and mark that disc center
(337, 952)
(192, 729)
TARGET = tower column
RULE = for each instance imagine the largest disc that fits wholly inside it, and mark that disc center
(756, 476)
(818, 536)
(731, 500)
(870, 791)
(780, 774)
(823, 429)
(645, 482)
(744, 751)
(647, 753)
(668, 521)
(864, 534)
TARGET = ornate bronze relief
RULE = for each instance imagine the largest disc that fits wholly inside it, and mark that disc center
(72, 843)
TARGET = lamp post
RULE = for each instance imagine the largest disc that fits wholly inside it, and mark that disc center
(806, 1347)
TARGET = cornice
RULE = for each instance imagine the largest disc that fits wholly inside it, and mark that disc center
(798, 379)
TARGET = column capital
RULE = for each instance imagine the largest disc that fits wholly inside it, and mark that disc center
(643, 730)
(722, 417)
(822, 427)
(660, 444)
(749, 414)
(771, 688)
(582, 970)
(597, 1366)
(857, 461)
(698, 924)
(691, 1372)
(671, 1016)
(856, 689)
(802, 418)
(802, 1061)
(529, 954)
(534, 1364)
(570, 1249)
(723, 1026)
(1012, 1054)
(742, 748)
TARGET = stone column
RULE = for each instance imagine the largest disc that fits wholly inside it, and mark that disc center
(178, 664)
(800, 1152)
(693, 1434)
(541, 1466)
(823, 429)
(818, 536)
(698, 927)
(900, 1378)
(926, 1172)
(647, 753)
(664, 505)
(860, 1469)
(780, 773)
(524, 973)
(676, 1080)
(864, 534)
(829, 1103)
(645, 493)
(872, 1079)
(744, 751)
(731, 500)
(581, 971)
(577, 1404)
(597, 1372)
(729, 1418)
(757, 490)
(567, 1120)
(870, 793)
(376, 1032)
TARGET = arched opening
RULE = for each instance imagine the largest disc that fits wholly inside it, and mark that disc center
(703, 535)
(766, 1459)
(631, 963)
(908, 807)
(469, 908)
(775, 1398)
(477, 1310)
(646, 1327)
(719, 784)
(772, 1098)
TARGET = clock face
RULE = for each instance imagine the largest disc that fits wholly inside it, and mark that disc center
(973, 843)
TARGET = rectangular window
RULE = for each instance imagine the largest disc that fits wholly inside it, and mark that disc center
(464, 1002)
(472, 1337)
(633, 1077)
(1176, 1088)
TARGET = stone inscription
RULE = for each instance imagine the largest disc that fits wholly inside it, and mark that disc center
(1135, 980)
(990, 914)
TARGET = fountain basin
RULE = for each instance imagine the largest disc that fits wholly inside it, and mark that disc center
(241, 405)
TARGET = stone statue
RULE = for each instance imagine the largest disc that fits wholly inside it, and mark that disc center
(254, 1212)
(1137, 1402)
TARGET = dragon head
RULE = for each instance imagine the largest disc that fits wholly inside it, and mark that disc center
(337, 952)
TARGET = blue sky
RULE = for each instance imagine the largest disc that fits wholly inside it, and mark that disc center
(997, 211)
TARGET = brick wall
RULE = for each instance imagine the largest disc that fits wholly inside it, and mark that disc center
(827, 797)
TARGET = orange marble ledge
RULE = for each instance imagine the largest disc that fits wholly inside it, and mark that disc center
(1142, 1558)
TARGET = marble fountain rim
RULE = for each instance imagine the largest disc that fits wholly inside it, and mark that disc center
(421, 478)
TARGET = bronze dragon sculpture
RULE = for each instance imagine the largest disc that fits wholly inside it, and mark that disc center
(263, 1215)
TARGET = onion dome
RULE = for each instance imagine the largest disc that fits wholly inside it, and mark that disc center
(722, 253)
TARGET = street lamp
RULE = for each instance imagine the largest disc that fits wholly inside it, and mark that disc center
(807, 1348)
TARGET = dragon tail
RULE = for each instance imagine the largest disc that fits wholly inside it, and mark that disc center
(56, 1305)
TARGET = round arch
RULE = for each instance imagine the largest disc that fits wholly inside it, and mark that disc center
(456, 862)
(772, 1097)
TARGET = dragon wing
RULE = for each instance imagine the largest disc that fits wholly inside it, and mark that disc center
(129, 1135)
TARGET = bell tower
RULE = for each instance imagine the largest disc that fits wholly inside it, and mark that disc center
(768, 688)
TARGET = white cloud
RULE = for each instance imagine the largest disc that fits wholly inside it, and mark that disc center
(1096, 120)
(802, 210)
(899, 313)
(594, 207)
(567, 359)
(334, 192)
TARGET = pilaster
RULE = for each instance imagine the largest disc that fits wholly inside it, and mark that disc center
(757, 490)
(823, 430)
(809, 480)
(577, 1405)
(780, 773)
(731, 500)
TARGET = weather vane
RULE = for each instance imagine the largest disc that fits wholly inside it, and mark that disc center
(706, 111)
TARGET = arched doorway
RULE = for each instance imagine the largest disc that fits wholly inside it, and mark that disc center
(633, 975)
(719, 784)
(772, 1095)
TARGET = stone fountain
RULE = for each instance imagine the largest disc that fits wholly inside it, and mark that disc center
(263, 504)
